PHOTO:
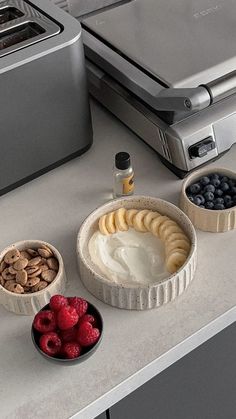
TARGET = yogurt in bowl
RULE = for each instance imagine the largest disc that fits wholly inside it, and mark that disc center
(129, 257)
(127, 269)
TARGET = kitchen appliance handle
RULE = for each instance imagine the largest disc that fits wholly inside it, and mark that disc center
(153, 93)
(222, 87)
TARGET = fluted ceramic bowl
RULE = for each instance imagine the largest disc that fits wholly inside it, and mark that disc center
(215, 221)
(135, 297)
(30, 304)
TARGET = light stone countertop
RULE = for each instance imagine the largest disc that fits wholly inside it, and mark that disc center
(136, 345)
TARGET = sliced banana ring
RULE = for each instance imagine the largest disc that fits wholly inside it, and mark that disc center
(102, 225)
(176, 236)
(170, 230)
(120, 221)
(151, 215)
(175, 260)
(156, 223)
(183, 251)
(129, 216)
(165, 225)
(138, 221)
(177, 244)
(110, 222)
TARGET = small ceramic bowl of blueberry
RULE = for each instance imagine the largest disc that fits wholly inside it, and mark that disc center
(208, 197)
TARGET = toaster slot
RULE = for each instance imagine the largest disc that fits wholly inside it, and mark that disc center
(20, 34)
(9, 13)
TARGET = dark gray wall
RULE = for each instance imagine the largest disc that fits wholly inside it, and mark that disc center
(202, 385)
(102, 416)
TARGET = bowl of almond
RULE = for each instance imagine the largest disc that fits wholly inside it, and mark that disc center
(31, 271)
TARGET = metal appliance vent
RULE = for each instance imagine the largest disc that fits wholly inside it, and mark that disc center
(164, 144)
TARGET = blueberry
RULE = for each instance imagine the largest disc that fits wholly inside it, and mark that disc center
(195, 188)
(227, 199)
(214, 176)
(219, 207)
(224, 186)
(224, 179)
(191, 198)
(209, 204)
(215, 182)
(218, 192)
(219, 201)
(234, 199)
(201, 197)
(197, 201)
(232, 190)
(204, 180)
(231, 183)
(201, 206)
(209, 196)
(229, 204)
(209, 188)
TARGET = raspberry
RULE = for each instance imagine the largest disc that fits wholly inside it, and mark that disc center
(68, 335)
(87, 335)
(79, 304)
(88, 318)
(50, 343)
(71, 350)
(67, 317)
(45, 321)
(57, 302)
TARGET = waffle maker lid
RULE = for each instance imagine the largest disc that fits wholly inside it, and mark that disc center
(181, 44)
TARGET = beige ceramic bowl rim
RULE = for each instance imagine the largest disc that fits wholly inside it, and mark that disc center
(24, 242)
(103, 279)
(194, 176)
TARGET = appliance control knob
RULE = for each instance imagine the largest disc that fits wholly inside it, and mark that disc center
(202, 148)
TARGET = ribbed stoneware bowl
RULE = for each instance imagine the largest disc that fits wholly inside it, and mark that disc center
(215, 221)
(30, 304)
(135, 297)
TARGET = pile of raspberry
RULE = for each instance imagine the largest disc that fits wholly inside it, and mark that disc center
(66, 329)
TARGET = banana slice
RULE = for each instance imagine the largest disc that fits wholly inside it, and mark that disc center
(164, 226)
(177, 244)
(156, 223)
(110, 222)
(183, 251)
(151, 215)
(120, 221)
(176, 236)
(170, 230)
(129, 215)
(175, 260)
(138, 221)
(102, 225)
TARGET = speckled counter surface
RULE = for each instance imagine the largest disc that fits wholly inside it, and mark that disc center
(136, 345)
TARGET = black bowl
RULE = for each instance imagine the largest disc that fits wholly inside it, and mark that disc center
(86, 352)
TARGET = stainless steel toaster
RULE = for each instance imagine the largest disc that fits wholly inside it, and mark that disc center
(45, 116)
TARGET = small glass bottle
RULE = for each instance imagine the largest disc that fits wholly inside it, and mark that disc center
(123, 175)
